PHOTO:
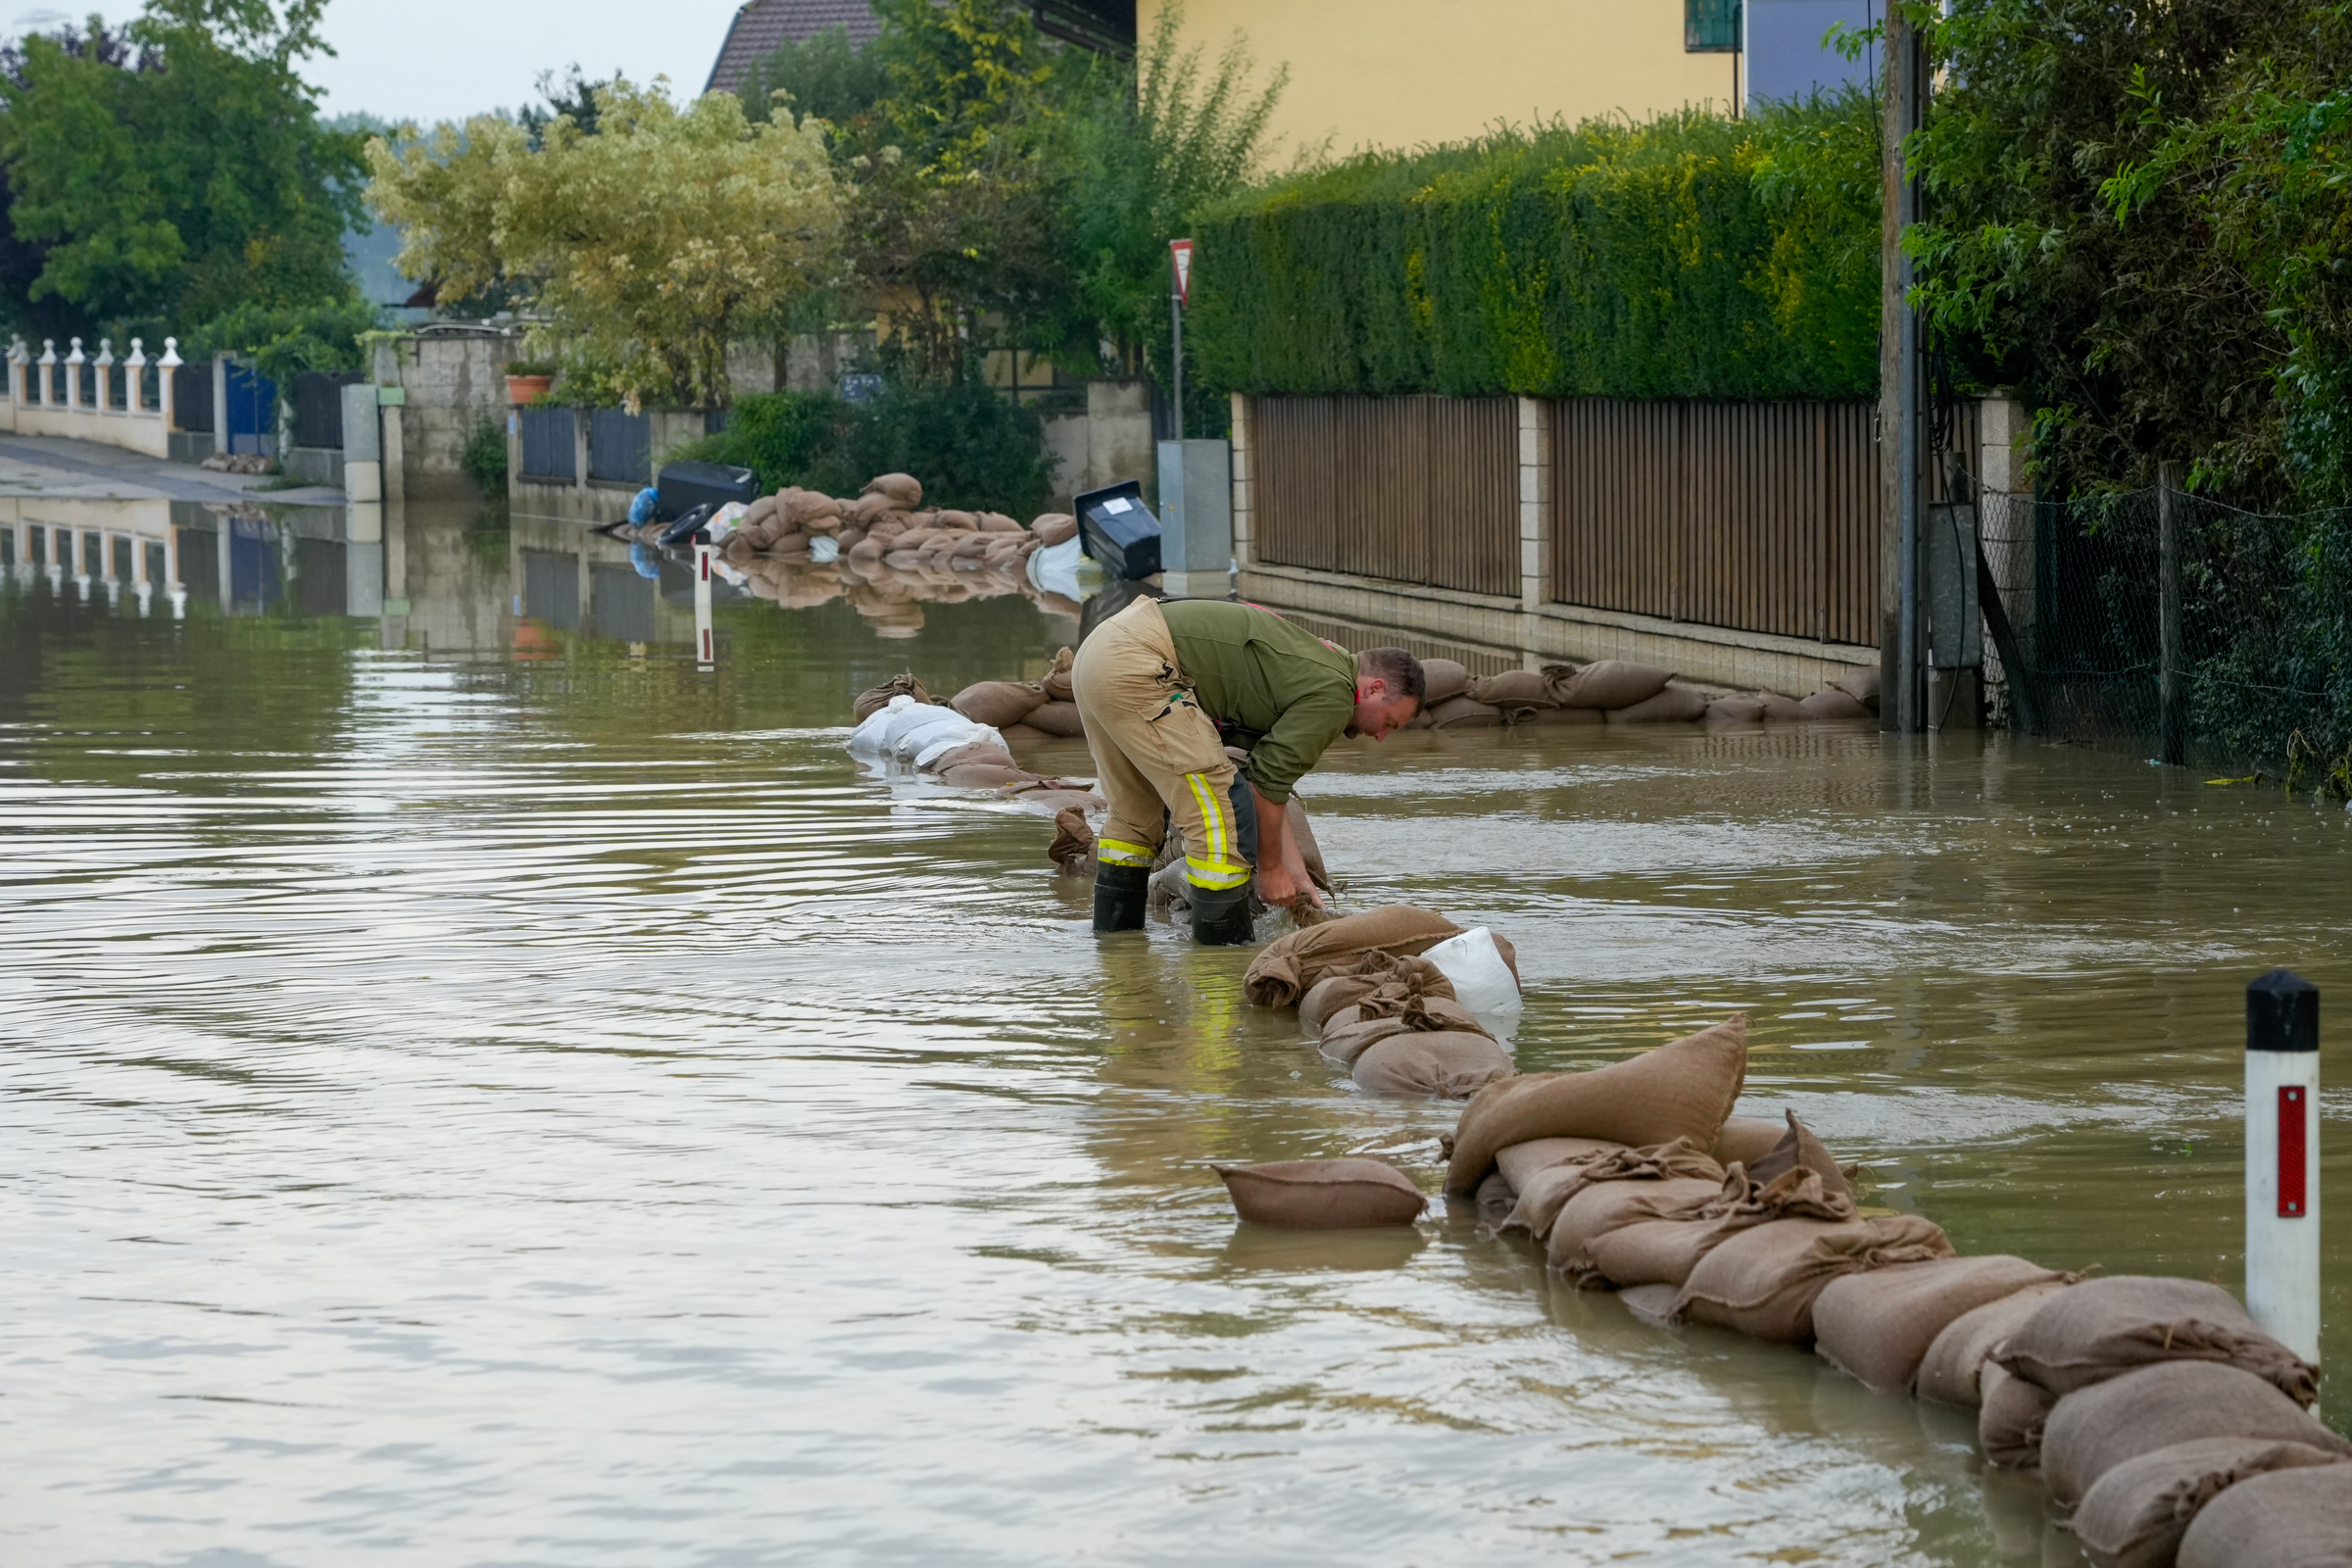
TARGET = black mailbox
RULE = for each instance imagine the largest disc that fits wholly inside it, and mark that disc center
(1118, 530)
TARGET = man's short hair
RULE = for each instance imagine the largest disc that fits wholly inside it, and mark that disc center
(1398, 668)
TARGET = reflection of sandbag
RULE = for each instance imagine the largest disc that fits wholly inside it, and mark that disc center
(1443, 679)
(1674, 705)
(1286, 1250)
(2095, 1429)
(1879, 1325)
(980, 776)
(998, 701)
(1561, 718)
(1450, 1065)
(2105, 1327)
(2010, 1417)
(1764, 1281)
(2134, 1515)
(1056, 718)
(1287, 966)
(1323, 1194)
(1736, 711)
(1682, 1089)
(2297, 1519)
(1606, 683)
(1958, 1357)
(974, 751)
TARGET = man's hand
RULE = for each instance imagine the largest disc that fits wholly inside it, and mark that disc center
(1282, 878)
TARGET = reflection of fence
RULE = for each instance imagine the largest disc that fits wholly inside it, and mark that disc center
(2264, 623)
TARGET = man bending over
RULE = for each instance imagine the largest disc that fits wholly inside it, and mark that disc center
(1162, 690)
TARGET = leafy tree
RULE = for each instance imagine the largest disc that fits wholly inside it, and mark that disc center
(650, 244)
(283, 341)
(181, 180)
(824, 74)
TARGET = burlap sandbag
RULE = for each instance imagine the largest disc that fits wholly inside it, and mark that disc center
(876, 697)
(1542, 1198)
(1492, 1200)
(1682, 1089)
(976, 752)
(1441, 680)
(1386, 972)
(1056, 718)
(2291, 1519)
(1055, 528)
(1779, 709)
(2105, 1327)
(997, 523)
(1736, 711)
(1451, 1065)
(2097, 1428)
(2134, 1515)
(1654, 1252)
(1072, 851)
(1606, 683)
(1331, 993)
(1287, 966)
(1676, 705)
(1959, 1355)
(904, 490)
(1464, 713)
(1056, 678)
(1860, 682)
(1350, 1040)
(1830, 703)
(1764, 1280)
(1417, 1010)
(998, 703)
(1523, 1162)
(2010, 1420)
(1323, 1194)
(1513, 688)
(1797, 1149)
(982, 776)
(1595, 1210)
(1877, 1326)
(1747, 1139)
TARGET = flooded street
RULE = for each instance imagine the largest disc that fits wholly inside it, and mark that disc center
(479, 1096)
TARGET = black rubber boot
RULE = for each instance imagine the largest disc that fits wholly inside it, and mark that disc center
(1120, 894)
(1221, 917)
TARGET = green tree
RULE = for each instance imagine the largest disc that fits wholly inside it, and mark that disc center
(183, 184)
(824, 74)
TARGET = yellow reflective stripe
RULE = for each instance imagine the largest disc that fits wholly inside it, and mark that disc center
(1214, 819)
(1117, 851)
(1214, 873)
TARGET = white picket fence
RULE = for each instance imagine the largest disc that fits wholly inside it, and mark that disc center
(122, 402)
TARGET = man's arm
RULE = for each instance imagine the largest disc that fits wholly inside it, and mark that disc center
(1297, 741)
(1282, 877)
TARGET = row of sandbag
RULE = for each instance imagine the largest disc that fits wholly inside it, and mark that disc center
(1618, 690)
(891, 599)
(897, 721)
(2154, 1408)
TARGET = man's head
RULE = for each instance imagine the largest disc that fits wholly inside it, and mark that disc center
(1388, 691)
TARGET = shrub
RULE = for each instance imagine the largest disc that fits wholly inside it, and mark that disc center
(484, 459)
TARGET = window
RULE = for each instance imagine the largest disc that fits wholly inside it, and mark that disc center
(93, 555)
(39, 552)
(121, 554)
(1711, 27)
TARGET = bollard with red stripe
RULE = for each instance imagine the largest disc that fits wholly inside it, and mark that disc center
(705, 651)
(2282, 1159)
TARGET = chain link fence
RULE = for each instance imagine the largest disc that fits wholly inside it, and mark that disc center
(2262, 676)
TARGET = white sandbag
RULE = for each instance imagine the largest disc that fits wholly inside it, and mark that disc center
(1053, 568)
(966, 734)
(1481, 981)
(873, 736)
(824, 548)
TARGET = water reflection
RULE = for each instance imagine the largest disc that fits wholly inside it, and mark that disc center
(475, 1078)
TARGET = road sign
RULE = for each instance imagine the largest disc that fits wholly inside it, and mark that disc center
(1180, 252)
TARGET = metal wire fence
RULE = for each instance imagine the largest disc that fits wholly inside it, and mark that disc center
(2260, 629)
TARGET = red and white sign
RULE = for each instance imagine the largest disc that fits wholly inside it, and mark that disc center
(1180, 252)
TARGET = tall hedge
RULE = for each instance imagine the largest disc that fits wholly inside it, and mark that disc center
(1688, 256)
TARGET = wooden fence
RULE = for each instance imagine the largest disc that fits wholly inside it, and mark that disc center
(1413, 489)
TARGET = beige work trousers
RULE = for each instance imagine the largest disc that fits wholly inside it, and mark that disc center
(1154, 748)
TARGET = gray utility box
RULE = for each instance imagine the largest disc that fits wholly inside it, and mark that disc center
(1947, 558)
(1196, 509)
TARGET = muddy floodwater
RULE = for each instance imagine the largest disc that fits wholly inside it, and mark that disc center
(476, 1094)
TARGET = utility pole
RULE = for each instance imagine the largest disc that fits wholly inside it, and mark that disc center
(1903, 401)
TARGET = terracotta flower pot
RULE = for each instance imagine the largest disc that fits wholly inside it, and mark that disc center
(522, 389)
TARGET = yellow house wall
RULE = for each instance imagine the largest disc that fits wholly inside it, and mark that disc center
(1394, 73)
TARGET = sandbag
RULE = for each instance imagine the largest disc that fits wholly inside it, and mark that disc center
(2010, 1420)
(1797, 1148)
(1763, 1281)
(1023, 732)
(1542, 1198)
(1606, 683)
(1513, 688)
(1346, 1042)
(1860, 682)
(1055, 528)
(1736, 711)
(876, 697)
(1597, 1208)
(1747, 1139)
(1830, 703)
(1287, 966)
(1962, 1352)
(1072, 851)
(2094, 1429)
(975, 752)
(1451, 1065)
(1323, 1194)
(1492, 1200)
(1464, 713)
(1877, 1326)
(1056, 678)
(998, 701)
(1654, 1252)
(1417, 1009)
(2134, 1515)
(1781, 709)
(1376, 971)
(1441, 680)
(1522, 1162)
(981, 776)
(2105, 1327)
(1331, 993)
(1056, 718)
(1675, 705)
(1682, 1089)
(2293, 1519)
(904, 490)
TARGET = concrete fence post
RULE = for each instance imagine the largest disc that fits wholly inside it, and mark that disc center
(167, 396)
(1245, 482)
(106, 376)
(73, 364)
(2282, 1159)
(47, 360)
(134, 378)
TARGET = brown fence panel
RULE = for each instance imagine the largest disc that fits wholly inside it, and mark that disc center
(1758, 517)
(1414, 489)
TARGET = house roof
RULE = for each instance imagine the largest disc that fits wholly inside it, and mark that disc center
(760, 25)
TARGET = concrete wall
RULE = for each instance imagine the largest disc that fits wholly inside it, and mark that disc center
(452, 380)
(1118, 435)
(1397, 73)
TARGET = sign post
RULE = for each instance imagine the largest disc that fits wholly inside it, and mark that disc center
(704, 654)
(1180, 256)
(2282, 1159)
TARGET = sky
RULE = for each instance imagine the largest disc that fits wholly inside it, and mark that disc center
(430, 60)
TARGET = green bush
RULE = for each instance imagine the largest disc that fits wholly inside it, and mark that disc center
(969, 446)
(484, 459)
(1690, 256)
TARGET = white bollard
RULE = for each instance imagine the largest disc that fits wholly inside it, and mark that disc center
(2282, 1159)
(705, 654)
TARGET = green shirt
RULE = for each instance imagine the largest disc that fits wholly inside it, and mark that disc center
(1282, 693)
